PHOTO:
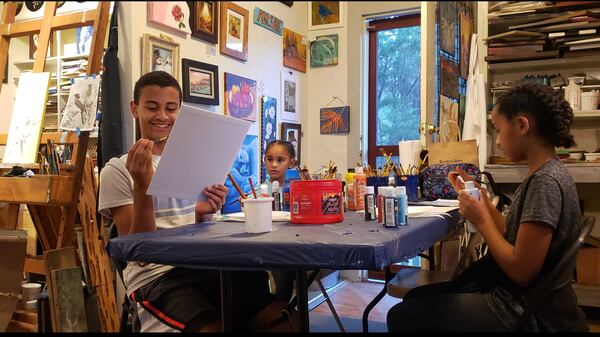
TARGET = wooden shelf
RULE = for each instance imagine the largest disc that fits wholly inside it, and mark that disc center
(50, 61)
(37, 190)
(541, 65)
(583, 172)
(587, 115)
(587, 295)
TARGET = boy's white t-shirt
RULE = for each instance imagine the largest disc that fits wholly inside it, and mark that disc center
(116, 189)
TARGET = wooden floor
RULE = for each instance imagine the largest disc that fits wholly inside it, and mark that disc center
(351, 299)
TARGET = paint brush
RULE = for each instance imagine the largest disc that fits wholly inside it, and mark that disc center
(237, 187)
(252, 186)
(163, 139)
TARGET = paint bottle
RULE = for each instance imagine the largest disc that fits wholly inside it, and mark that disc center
(360, 184)
(474, 193)
(276, 196)
(402, 214)
(370, 203)
(380, 190)
(350, 191)
(285, 205)
(390, 203)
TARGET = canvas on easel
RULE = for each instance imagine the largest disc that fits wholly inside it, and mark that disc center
(27, 117)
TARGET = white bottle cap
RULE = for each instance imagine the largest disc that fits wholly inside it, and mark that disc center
(264, 189)
(400, 190)
(275, 186)
(391, 181)
(370, 190)
(469, 185)
(358, 170)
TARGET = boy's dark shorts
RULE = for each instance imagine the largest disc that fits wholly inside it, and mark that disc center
(189, 299)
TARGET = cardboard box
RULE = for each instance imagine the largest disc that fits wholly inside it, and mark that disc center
(588, 266)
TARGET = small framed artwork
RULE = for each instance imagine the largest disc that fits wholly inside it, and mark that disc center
(325, 14)
(200, 82)
(335, 120)
(448, 78)
(240, 97)
(292, 132)
(234, 31)
(169, 14)
(160, 53)
(204, 20)
(324, 51)
(268, 129)
(268, 21)
(294, 50)
(290, 96)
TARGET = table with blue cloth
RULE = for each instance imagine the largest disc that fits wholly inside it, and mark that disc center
(354, 244)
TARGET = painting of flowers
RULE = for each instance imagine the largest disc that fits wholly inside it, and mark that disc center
(240, 97)
(294, 50)
(268, 129)
(173, 15)
(335, 120)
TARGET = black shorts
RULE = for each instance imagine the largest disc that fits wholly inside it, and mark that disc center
(189, 299)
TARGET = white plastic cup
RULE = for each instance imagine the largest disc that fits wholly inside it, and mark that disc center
(258, 214)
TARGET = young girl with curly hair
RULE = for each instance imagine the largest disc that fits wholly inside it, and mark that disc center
(544, 219)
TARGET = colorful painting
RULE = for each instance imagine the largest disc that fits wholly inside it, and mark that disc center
(448, 20)
(448, 78)
(160, 53)
(240, 97)
(204, 21)
(268, 21)
(268, 129)
(234, 30)
(335, 120)
(200, 82)
(290, 96)
(448, 114)
(294, 50)
(82, 105)
(173, 15)
(246, 165)
(466, 32)
(325, 14)
(26, 119)
(324, 51)
(292, 132)
(84, 39)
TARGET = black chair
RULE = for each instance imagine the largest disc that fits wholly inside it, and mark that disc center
(560, 277)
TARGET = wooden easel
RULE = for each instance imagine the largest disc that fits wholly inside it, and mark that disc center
(55, 201)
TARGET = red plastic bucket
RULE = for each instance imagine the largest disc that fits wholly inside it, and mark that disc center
(316, 201)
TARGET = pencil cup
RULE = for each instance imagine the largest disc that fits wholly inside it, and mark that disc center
(258, 215)
(412, 186)
(377, 182)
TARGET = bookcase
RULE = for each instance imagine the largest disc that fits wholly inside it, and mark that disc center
(575, 21)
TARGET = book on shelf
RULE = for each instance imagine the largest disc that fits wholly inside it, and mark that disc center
(572, 33)
(525, 56)
(496, 44)
(577, 15)
(585, 46)
(514, 49)
(563, 26)
(589, 40)
(516, 35)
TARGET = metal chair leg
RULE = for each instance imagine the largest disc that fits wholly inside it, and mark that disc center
(335, 315)
(373, 303)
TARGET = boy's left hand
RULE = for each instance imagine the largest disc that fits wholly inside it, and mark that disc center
(476, 211)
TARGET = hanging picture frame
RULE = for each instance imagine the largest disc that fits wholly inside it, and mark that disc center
(240, 97)
(448, 20)
(234, 31)
(294, 50)
(325, 14)
(160, 53)
(204, 20)
(335, 120)
(268, 21)
(268, 128)
(324, 51)
(173, 15)
(200, 82)
(292, 132)
(290, 96)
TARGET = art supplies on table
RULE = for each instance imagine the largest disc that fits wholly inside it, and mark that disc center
(278, 216)
(196, 154)
(316, 201)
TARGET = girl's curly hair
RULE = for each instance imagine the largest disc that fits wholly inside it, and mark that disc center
(552, 114)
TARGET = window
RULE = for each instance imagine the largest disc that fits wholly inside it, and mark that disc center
(394, 84)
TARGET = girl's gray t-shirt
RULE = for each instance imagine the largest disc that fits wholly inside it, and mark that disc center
(549, 195)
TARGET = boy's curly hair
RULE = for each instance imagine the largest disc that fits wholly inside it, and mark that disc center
(552, 114)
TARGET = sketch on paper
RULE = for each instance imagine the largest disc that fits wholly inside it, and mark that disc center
(290, 95)
(27, 116)
(82, 105)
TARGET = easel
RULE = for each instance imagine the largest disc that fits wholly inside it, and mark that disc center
(54, 201)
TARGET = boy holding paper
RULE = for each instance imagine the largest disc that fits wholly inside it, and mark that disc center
(168, 298)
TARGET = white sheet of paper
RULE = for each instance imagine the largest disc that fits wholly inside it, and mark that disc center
(199, 153)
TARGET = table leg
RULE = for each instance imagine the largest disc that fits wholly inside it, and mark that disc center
(373, 303)
(302, 295)
(226, 301)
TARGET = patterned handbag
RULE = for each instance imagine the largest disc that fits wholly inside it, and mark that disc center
(435, 184)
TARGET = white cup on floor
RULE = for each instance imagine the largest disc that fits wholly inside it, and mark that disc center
(258, 215)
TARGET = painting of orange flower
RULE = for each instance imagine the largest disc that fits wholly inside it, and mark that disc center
(335, 120)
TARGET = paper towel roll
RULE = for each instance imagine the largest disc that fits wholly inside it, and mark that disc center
(409, 151)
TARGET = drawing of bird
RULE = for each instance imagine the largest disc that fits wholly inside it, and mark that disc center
(324, 12)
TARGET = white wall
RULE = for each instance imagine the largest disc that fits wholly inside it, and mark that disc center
(265, 55)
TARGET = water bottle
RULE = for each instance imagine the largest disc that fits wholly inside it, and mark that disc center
(474, 193)
(402, 214)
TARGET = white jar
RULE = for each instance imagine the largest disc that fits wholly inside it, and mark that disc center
(573, 94)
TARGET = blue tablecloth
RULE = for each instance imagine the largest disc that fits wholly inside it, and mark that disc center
(351, 244)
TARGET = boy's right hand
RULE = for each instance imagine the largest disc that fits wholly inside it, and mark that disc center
(456, 183)
(139, 163)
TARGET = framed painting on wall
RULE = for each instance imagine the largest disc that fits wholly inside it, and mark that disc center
(240, 97)
(200, 82)
(292, 132)
(268, 128)
(268, 21)
(325, 14)
(246, 166)
(169, 14)
(290, 96)
(335, 120)
(294, 50)
(204, 20)
(448, 21)
(448, 78)
(324, 51)
(234, 31)
(160, 53)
